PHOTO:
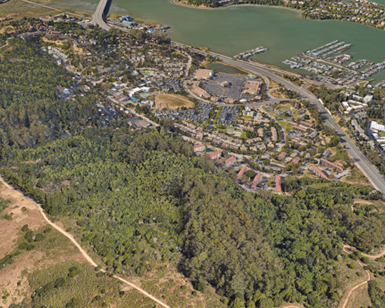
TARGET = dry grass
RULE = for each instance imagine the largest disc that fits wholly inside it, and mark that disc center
(20, 9)
(273, 84)
(10, 230)
(360, 298)
(173, 101)
(356, 177)
(276, 94)
(176, 290)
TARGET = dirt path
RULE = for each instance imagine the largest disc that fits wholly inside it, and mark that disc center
(348, 294)
(373, 257)
(84, 253)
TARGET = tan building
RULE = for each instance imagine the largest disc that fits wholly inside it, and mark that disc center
(253, 87)
(204, 74)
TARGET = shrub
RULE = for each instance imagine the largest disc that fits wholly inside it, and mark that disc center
(48, 229)
(59, 282)
(24, 228)
(98, 268)
(73, 272)
(30, 247)
(99, 274)
(365, 260)
(351, 265)
(39, 238)
(23, 245)
(23, 209)
(29, 236)
(359, 274)
(381, 259)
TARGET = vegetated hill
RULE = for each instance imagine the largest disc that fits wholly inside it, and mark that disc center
(32, 110)
(140, 199)
(143, 198)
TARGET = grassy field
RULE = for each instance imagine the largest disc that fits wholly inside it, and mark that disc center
(20, 9)
(222, 67)
(173, 101)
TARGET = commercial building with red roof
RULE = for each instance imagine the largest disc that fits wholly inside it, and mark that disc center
(256, 180)
(199, 148)
(318, 171)
(278, 184)
(330, 165)
(241, 172)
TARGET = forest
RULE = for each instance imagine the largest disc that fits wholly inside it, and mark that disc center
(32, 111)
(141, 198)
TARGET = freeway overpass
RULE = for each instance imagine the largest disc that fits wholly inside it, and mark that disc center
(97, 18)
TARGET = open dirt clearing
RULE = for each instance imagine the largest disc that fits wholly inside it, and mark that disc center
(10, 229)
(172, 101)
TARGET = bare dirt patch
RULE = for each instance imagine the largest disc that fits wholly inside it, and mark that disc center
(10, 229)
(172, 101)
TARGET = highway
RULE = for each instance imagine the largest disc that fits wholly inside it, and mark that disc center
(360, 160)
(97, 18)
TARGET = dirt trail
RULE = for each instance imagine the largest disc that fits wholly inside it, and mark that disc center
(348, 294)
(373, 257)
(84, 253)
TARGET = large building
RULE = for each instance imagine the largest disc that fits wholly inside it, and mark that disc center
(204, 74)
(230, 161)
(199, 148)
(241, 172)
(256, 180)
(330, 165)
(253, 87)
(278, 184)
(281, 156)
(216, 154)
(318, 171)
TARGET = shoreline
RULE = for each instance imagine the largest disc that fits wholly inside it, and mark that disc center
(201, 7)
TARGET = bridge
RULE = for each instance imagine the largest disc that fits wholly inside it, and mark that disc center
(97, 18)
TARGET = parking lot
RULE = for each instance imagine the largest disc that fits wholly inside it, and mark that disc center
(233, 90)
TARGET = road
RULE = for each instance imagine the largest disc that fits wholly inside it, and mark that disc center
(84, 253)
(360, 160)
(259, 69)
(97, 18)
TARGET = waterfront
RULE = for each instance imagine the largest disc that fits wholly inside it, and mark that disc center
(235, 29)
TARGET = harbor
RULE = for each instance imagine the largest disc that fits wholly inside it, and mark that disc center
(344, 75)
(247, 54)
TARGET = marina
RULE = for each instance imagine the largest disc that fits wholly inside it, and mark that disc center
(235, 29)
(247, 54)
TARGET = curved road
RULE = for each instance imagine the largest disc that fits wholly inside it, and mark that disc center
(84, 253)
(97, 18)
(360, 160)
